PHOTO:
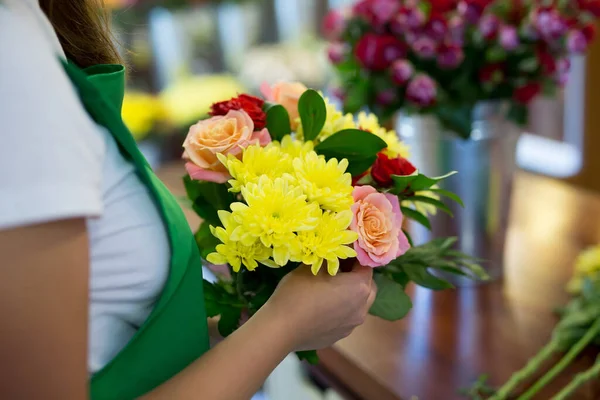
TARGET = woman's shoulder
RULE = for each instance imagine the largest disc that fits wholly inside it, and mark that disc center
(49, 147)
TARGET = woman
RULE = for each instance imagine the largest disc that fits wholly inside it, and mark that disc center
(100, 279)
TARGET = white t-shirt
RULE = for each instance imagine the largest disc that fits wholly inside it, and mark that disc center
(56, 163)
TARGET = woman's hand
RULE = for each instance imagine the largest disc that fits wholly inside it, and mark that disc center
(320, 310)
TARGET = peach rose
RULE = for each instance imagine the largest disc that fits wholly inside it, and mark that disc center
(287, 94)
(227, 134)
(378, 222)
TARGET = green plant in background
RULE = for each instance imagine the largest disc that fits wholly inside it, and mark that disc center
(578, 328)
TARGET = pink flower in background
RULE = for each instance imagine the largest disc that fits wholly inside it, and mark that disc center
(386, 97)
(437, 27)
(425, 47)
(334, 24)
(407, 19)
(378, 52)
(402, 71)
(228, 134)
(509, 37)
(378, 223)
(287, 94)
(549, 24)
(456, 29)
(577, 42)
(337, 52)
(472, 10)
(488, 26)
(450, 56)
(422, 90)
(376, 12)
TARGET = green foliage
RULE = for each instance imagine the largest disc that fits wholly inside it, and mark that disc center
(456, 119)
(278, 121)
(360, 148)
(439, 254)
(416, 182)
(207, 198)
(416, 216)
(431, 201)
(391, 303)
(310, 356)
(205, 240)
(313, 113)
(229, 321)
(448, 194)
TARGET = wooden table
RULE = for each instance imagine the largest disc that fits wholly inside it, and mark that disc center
(451, 337)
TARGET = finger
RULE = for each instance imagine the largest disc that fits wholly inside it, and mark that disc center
(363, 274)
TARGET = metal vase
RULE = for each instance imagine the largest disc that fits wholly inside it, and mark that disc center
(486, 163)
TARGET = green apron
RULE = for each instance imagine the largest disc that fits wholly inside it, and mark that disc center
(176, 333)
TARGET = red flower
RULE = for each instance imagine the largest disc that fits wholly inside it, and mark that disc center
(492, 73)
(378, 52)
(443, 6)
(589, 31)
(591, 6)
(547, 62)
(385, 167)
(252, 105)
(333, 25)
(524, 94)
(376, 12)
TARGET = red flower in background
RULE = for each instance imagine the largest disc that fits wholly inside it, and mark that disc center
(589, 31)
(376, 12)
(547, 62)
(252, 105)
(385, 167)
(526, 93)
(378, 52)
(443, 6)
(591, 6)
(492, 73)
(333, 25)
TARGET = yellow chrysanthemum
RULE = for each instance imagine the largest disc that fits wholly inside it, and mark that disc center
(256, 162)
(325, 182)
(395, 147)
(327, 242)
(274, 212)
(586, 266)
(424, 208)
(336, 121)
(293, 147)
(234, 252)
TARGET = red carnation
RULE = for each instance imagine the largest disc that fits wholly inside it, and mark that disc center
(492, 73)
(589, 31)
(252, 105)
(547, 62)
(378, 52)
(443, 6)
(385, 167)
(524, 94)
(591, 6)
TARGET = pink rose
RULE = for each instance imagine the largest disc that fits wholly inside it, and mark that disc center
(378, 222)
(227, 134)
(287, 94)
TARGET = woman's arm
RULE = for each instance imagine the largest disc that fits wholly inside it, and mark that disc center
(44, 316)
(44, 311)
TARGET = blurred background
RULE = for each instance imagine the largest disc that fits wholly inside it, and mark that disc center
(184, 55)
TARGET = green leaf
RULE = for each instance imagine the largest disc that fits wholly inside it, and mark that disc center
(402, 183)
(208, 198)
(278, 122)
(229, 321)
(391, 303)
(423, 182)
(448, 194)
(356, 95)
(360, 148)
(422, 277)
(410, 241)
(416, 216)
(518, 113)
(457, 120)
(205, 240)
(313, 113)
(310, 356)
(353, 143)
(433, 202)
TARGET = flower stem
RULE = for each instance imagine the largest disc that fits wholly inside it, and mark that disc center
(579, 380)
(520, 376)
(564, 362)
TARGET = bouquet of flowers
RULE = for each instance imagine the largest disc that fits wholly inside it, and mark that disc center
(292, 180)
(444, 56)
